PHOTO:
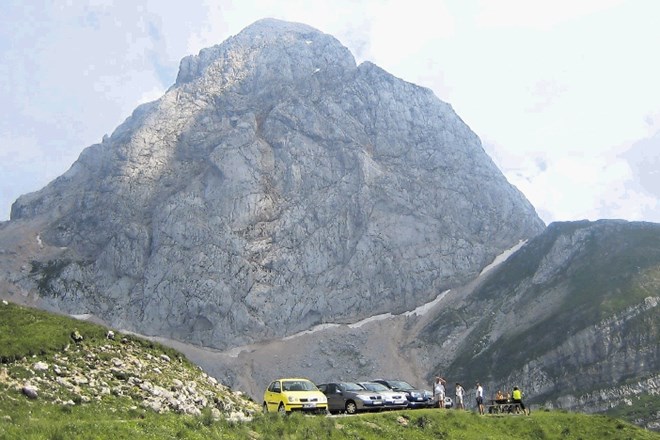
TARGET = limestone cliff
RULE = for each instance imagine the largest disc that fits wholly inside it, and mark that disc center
(275, 186)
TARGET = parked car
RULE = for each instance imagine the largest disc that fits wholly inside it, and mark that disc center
(295, 394)
(391, 399)
(416, 398)
(350, 397)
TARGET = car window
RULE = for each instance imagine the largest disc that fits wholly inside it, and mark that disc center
(373, 386)
(274, 387)
(350, 386)
(400, 385)
(298, 385)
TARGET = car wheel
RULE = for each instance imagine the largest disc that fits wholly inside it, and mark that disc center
(351, 408)
(265, 408)
(281, 409)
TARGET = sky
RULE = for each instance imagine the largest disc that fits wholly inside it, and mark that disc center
(564, 94)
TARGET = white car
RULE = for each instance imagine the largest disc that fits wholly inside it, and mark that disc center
(391, 399)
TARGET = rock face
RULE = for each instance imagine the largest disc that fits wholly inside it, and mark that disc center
(275, 186)
(573, 318)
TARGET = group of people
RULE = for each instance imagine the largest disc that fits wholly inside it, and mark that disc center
(439, 393)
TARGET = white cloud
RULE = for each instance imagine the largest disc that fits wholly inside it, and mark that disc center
(537, 15)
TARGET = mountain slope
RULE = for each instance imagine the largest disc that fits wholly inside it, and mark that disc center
(275, 179)
(572, 317)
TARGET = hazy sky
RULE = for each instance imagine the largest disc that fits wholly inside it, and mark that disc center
(565, 94)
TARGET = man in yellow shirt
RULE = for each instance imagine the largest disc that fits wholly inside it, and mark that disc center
(516, 397)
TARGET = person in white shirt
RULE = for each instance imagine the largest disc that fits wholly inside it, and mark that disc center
(439, 391)
(480, 398)
(459, 396)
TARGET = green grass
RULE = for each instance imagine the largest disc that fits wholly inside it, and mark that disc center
(26, 332)
(30, 420)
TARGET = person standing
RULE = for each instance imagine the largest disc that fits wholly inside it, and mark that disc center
(480, 398)
(516, 397)
(459, 396)
(439, 391)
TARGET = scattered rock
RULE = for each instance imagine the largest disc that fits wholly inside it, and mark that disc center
(176, 385)
(402, 421)
(40, 366)
(30, 391)
(110, 335)
(97, 371)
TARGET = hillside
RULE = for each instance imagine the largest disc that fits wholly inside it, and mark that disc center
(61, 361)
(61, 378)
(572, 317)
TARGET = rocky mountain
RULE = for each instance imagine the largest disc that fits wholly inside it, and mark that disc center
(284, 211)
(274, 187)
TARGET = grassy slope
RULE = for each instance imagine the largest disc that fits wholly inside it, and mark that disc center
(39, 336)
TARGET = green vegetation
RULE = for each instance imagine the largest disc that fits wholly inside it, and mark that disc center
(30, 420)
(46, 272)
(29, 336)
(26, 332)
(639, 407)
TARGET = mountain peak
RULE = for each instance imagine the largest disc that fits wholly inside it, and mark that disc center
(282, 46)
(276, 178)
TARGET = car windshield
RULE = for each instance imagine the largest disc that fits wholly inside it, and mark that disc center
(298, 385)
(373, 386)
(351, 386)
(399, 384)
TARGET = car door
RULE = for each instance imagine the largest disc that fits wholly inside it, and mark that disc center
(274, 396)
(335, 398)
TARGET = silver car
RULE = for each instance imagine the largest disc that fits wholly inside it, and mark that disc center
(350, 397)
(391, 399)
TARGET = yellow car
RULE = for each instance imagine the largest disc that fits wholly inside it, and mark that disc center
(296, 394)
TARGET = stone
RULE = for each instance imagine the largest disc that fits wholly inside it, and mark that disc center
(30, 391)
(40, 366)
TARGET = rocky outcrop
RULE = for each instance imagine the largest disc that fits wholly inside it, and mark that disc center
(274, 187)
(119, 371)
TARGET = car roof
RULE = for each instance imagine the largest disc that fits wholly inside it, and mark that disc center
(291, 379)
